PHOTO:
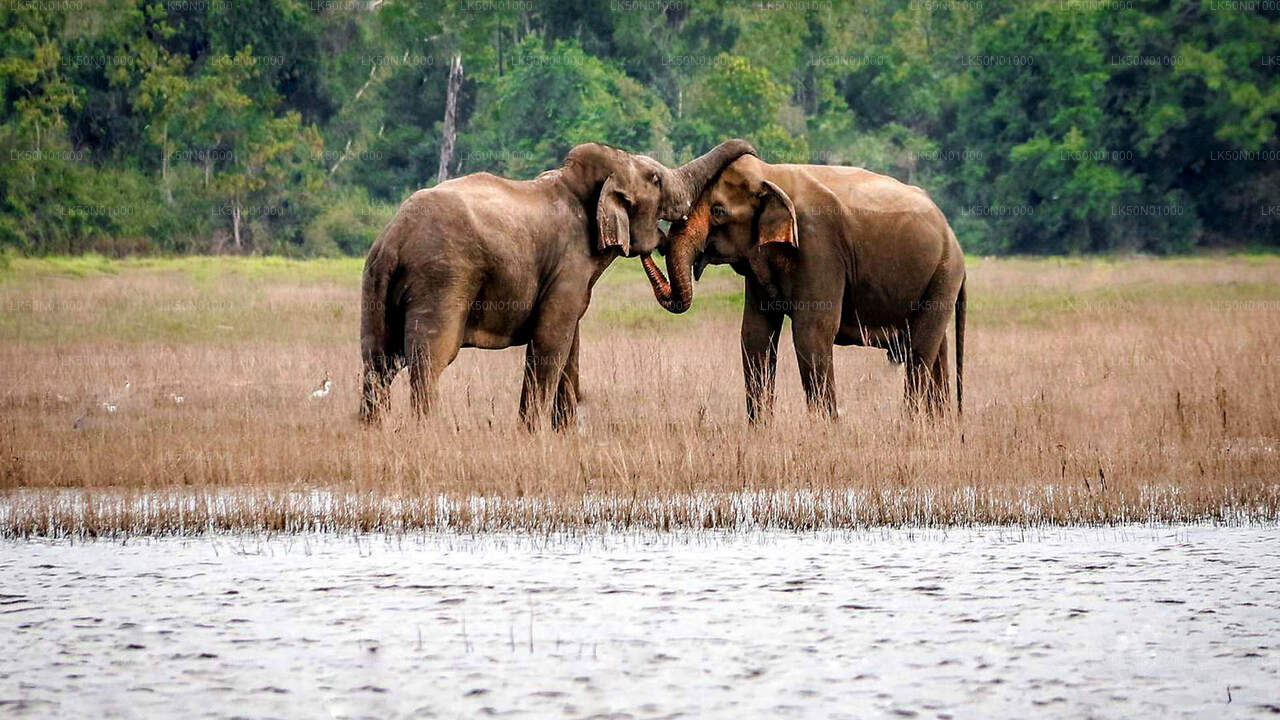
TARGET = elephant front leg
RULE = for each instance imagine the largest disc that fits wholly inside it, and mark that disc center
(564, 413)
(544, 365)
(761, 327)
(814, 336)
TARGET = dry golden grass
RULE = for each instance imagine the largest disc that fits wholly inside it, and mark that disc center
(1097, 391)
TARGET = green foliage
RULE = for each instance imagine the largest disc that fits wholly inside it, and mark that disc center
(347, 224)
(553, 99)
(37, 171)
(734, 98)
(1092, 134)
(293, 127)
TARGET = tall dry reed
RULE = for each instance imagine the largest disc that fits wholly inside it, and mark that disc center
(1096, 392)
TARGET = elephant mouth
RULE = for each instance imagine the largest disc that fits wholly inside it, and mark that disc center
(664, 240)
(701, 259)
(705, 258)
(700, 262)
(638, 252)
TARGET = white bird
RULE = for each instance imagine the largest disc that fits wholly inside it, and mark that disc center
(176, 398)
(111, 401)
(323, 392)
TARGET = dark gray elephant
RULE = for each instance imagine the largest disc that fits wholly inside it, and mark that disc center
(483, 261)
(852, 257)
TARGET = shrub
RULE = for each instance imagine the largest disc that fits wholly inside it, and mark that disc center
(347, 224)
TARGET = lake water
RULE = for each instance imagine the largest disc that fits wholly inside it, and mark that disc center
(1132, 622)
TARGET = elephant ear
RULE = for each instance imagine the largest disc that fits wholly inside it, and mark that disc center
(611, 218)
(776, 220)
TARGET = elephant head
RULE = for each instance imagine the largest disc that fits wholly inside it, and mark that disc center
(636, 191)
(732, 221)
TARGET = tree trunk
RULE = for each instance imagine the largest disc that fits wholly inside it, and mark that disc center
(345, 150)
(164, 164)
(450, 113)
(235, 221)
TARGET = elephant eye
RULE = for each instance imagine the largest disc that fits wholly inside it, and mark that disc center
(718, 210)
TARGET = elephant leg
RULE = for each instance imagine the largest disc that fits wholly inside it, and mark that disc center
(547, 355)
(918, 380)
(939, 387)
(564, 413)
(814, 335)
(927, 341)
(433, 337)
(543, 365)
(761, 328)
(375, 398)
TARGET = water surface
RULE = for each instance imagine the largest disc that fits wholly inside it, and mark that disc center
(974, 623)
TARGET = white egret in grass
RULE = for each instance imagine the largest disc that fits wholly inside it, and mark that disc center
(323, 392)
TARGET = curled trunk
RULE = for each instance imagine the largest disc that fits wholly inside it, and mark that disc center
(690, 233)
(686, 241)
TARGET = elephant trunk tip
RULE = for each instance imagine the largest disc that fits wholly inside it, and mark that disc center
(685, 243)
(673, 302)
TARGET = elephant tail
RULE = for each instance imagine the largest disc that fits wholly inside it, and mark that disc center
(374, 301)
(961, 303)
(376, 346)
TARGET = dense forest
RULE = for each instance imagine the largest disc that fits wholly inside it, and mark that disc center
(296, 126)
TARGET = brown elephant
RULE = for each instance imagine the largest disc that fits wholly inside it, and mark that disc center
(483, 261)
(852, 257)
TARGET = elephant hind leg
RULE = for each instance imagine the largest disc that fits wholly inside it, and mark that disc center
(433, 337)
(918, 380)
(927, 386)
(379, 370)
(383, 357)
(940, 386)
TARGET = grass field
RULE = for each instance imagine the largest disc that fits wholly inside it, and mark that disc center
(1097, 391)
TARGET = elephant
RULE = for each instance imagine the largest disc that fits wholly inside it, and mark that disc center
(487, 262)
(851, 256)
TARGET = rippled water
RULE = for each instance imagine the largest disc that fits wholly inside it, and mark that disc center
(1131, 622)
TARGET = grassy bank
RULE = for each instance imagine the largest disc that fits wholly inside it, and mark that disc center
(1097, 391)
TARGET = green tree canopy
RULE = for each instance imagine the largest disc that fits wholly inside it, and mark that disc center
(551, 99)
(294, 126)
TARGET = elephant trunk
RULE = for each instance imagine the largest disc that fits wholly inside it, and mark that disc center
(687, 240)
(693, 177)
